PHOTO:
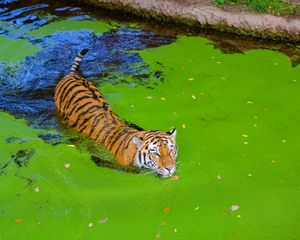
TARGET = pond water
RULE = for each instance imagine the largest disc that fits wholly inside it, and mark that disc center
(233, 100)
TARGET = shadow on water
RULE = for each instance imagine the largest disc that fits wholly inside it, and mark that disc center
(27, 88)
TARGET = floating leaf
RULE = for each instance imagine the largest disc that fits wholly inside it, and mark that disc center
(234, 207)
(104, 220)
(67, 165)
(175, 178)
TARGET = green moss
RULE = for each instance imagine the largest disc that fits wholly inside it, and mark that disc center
(264, 6)
(70, 25)
(218, 102)
(20, 46)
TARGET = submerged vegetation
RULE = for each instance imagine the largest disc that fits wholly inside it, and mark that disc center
(275, 7)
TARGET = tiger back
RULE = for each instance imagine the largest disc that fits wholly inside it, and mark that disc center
(84, 109)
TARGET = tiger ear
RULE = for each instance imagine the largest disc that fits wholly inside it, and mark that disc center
(137, 141)
(172, 132)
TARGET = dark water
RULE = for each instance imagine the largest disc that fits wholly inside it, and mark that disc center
(27, 88)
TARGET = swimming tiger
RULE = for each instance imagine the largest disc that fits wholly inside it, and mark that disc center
(82, 106)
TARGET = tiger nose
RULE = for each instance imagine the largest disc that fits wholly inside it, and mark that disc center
(168, 169)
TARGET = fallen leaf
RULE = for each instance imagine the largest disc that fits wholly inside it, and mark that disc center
(219, 177)
(71, 145)
(18, 220)
(104, 220)
(196, 208)
(249, 174)
(149, 97)
(162, 98)
(190, 78)
(175, 230)
(244, 135)
(67, 165)
(238, 216)
(157, 235)
(90, 225)
(183, 125)
(246, 143)
(166, 209)
(37, 189)
(234, 207)
(175, 178)
(193, 96)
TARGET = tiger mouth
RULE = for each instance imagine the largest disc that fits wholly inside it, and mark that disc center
(164, 175)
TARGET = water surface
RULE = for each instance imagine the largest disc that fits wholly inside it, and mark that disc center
(234, 102)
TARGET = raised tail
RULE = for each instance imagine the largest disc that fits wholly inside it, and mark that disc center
(78, 59)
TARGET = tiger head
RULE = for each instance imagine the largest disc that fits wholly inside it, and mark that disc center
(157, 151)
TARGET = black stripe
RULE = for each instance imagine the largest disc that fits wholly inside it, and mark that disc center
(144, 155)
(68, 80)
(81, 130)
(96, 107)
(113, 135)
(127, 144)
(72, 97)
(101, 129)
(95, 123)
(65, 94)
(117, 138)
(85, 120)
(123, 141)
(79, 117)
(74, 107)
(107, 134)
(140, 157)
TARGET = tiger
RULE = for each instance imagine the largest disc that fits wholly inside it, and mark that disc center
(82, 107)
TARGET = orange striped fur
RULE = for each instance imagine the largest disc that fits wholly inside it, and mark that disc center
(80, 103)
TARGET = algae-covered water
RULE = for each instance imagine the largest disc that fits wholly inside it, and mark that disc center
(236, 111)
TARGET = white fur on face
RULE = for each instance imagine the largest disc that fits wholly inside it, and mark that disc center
(147, 152)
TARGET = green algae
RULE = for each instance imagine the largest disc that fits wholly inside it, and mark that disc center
(20, 46)
(237, 118)
(71, 25)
